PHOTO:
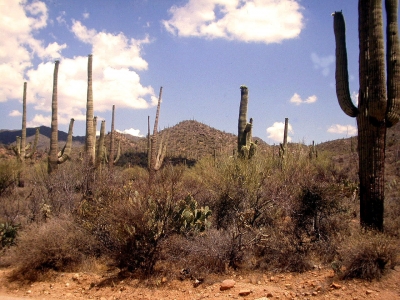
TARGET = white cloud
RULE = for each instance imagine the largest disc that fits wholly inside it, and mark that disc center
(18, 26)
(276, 131)
(86, 15)
(296, 99)
(131, 131)
(265, 21)
(116, 62)
(39, 120)
(354, 97)
(322, 63)
(349, 130)
(15, 113)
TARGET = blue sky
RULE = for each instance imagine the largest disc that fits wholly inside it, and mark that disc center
(200, 51)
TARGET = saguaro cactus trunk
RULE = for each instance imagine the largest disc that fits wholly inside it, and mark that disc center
(246, 148)
(156, 158)
(90, 143)
(53, 153)
(378, 100)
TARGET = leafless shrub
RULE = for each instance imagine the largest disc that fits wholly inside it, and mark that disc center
(58, 244)
(369, 256)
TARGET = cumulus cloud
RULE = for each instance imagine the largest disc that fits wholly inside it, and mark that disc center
(323, 63)
(131, 131)
(296, 99)
(349, 130)
(276, 131)
(15, 113)
(264, 21)
(116, 62)
(18, 44)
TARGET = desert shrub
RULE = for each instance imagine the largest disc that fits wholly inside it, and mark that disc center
(132, 220)
(8, 234)
(8, 175)
(281, 251)
(58, 244)
(368, 255)
(211, 252)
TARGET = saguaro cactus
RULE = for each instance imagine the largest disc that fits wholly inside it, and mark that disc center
(102, 153)
(246, 148)
(21, 148)
(378, 99)
(283, 146)
(90, 143)
(56, 157)
(156, 159)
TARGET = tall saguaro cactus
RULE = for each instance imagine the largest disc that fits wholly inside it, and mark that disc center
(53, 153)
(56, 157)
(90, 143)
(378, 99)
(283, 146)
(246, 148)
(156, 159)
(21, 147)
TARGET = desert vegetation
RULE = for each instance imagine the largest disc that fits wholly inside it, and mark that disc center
(257, 207)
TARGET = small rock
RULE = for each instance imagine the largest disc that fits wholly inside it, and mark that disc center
(227, 284)
(245, 292)
(67, 284)
(75, 277)
(336, 285)
(368, 292)
(262, 298)
(164, 280)
(29, 292)
(314, 294)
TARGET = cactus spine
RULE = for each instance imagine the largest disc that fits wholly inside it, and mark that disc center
(246, 148)
(378, 102)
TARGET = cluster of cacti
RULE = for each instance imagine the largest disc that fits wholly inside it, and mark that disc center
(246, 148)
(56, 157)
(155, 160)
(378, 98)
(102, 153)
(191, 218)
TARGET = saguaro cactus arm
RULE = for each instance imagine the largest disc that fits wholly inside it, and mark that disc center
(246, 148)
(393, 63)
(342, 74)
(65, 153)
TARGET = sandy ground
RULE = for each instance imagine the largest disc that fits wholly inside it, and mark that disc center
(316, 284)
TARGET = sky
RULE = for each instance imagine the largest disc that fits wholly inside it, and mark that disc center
(199, 51)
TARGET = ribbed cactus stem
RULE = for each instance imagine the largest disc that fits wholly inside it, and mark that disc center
(35, 142)
(90, 143)
(156, 159)
(378, 100)
(246, 148)
(65, 153)
(23, 134)
(392, 63)
(53, 153)
(112, 140)
(100, 149)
